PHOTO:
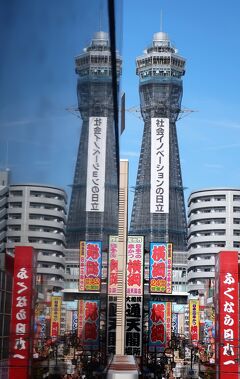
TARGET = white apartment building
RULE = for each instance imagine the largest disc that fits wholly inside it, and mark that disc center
(213, 225)
(35, 215)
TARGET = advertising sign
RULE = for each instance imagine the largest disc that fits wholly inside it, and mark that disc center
(160, 277)
(111, 324)
(175, 323)
(90, 267)
(113, 265)
(88, 323)
(22, 313)
(95, 194)
(168, 321)
(135, 257)
(194, 321)
(56, 302)
(159, 165)
(159, 321)
(134, 322)
(227, 315)
(74, 321)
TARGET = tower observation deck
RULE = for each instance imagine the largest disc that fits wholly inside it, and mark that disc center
(93, 211)
(160, 70)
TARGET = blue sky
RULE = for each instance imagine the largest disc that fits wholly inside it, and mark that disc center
(39, 39)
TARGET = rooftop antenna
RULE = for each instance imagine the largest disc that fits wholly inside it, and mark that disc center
(100, 15)
(161, 21)
(7, 153)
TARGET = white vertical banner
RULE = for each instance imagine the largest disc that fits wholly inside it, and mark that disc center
(159, 165)
(96, 164)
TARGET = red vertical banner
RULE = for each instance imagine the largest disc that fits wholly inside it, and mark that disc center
(22, 313)
(157, 325)
(89, 323)
(227, 315)
(168, 321)
(113, 265)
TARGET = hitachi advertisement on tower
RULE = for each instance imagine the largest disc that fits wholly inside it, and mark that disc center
(95, 190)
(159, 165)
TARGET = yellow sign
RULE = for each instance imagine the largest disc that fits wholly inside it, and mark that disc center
(56, 303)
(194, 320)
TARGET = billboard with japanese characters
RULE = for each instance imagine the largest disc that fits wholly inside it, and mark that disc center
(74, 321)
(175, 323)
(56, 303)
(194, 321)
(160, 265)
(159, 324)
(111, 324)
(90, 268)
(22, 313)
(133, 338)
(135, 258)
(88, 323)
(227, 315)
(95, 193)
(113, 265)
(159, 165)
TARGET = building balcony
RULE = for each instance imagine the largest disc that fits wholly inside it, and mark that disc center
(207, 227)
(206, 216)
(202, 251)
(207, 204)
(202, 262)
(200, 275)
(48, 212)
(51, 259)
(51, 271)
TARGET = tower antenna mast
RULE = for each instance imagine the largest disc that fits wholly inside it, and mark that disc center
(161, 21)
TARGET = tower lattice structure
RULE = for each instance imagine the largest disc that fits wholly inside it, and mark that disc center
(95, 99)
(160, 70)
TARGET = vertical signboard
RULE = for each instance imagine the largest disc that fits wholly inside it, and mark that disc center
(159, 165)
(95, 193)
(227, 315)
(194, 321)
(112, 290)
(113, 265)
(74, 321)
(168, 321)
(134, 305)
(160, 277)
(159, 325)
(90, 269)
(175, 323)
(88, 323)
(42, 323)
(135, 256)
(111, 324)
(56, 302)
(22, 313)
(82, 264)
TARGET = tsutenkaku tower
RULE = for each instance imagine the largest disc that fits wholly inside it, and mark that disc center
(158, 207)
(93, 212)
